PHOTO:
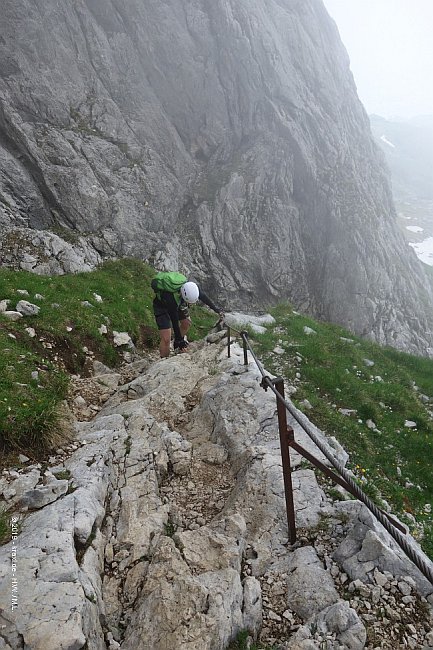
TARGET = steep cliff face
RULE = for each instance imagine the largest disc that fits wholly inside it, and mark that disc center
(224, 137)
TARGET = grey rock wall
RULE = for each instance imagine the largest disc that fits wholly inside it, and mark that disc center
(222, 137)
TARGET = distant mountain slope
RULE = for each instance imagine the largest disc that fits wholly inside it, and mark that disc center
(408, 148)
(221, 137)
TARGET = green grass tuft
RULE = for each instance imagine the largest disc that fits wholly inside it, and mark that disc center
(241, 643)
(5, 530)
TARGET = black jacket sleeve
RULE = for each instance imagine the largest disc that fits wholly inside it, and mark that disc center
(207, 301)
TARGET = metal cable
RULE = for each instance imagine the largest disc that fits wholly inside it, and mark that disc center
(412, 554)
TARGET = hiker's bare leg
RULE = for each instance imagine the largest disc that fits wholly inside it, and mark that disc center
(184, 324)
(164, 342)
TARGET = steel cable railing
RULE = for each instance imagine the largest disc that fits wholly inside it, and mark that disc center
(353, 487)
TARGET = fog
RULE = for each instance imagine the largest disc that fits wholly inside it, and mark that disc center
(390, 45)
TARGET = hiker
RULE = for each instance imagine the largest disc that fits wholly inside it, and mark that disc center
(173, 294)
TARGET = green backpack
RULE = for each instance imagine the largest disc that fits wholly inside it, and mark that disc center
(170, 281)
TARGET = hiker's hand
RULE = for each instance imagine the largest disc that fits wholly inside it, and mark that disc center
(180, 344)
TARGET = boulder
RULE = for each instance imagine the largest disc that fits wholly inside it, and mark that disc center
(122, 338)
(306, 572)
(12, 315)
(27, 308)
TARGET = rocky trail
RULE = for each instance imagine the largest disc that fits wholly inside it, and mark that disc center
(162, 525)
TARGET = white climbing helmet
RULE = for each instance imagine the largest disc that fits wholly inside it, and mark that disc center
(190, 292)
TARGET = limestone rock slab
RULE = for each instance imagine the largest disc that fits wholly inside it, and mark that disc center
(306, 572)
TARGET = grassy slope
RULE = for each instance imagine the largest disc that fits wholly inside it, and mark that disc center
(332, 372)
(29, 408)
(390, 459)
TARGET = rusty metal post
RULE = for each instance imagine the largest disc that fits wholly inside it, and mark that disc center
(286, 434)
(244, 336)
(228, 342)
